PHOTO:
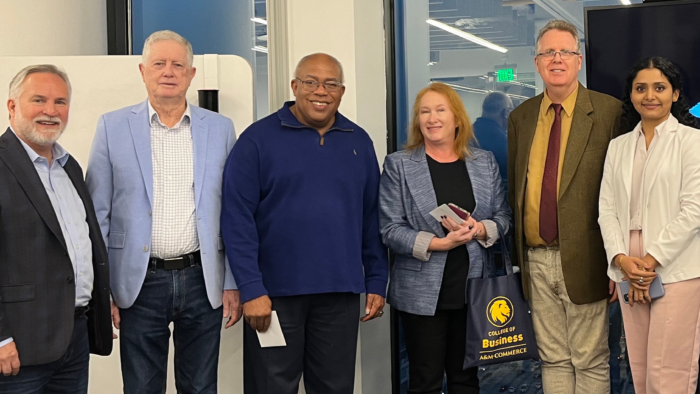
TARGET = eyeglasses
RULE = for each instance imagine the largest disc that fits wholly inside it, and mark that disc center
(311, 85)
(565, 55)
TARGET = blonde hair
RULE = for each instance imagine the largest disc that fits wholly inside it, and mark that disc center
(464, 133)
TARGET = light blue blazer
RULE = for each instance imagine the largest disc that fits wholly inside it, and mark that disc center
(120, 180)
(406, 197)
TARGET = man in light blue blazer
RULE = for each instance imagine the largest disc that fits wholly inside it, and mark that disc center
(155, 175)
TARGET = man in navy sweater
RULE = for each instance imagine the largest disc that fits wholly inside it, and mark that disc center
(301, 229)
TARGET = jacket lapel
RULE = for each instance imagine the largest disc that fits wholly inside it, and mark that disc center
(476, 171)
(627, 161)
(75, 173)
(200, 136)
(526, 133)
(15, 157)
(581, 126)
(666, 136)
(420, 185)
(140, 126)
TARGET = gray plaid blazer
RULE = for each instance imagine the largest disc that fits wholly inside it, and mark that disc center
(406, 197)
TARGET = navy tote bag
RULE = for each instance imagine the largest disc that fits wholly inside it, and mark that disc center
(499, 325)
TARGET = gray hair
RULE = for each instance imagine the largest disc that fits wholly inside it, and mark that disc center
(309, 57)
(495, 102)
(167, 35)
(558, 24)
(18, 80)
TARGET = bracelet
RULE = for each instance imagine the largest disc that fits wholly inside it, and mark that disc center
(619, 262)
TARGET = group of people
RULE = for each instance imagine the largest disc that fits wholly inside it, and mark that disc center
(174, 224)
(598, 192)
(178, 222)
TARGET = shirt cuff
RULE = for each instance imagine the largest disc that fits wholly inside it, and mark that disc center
(6, 341)
(420, 247)
(491, 234)
(252, 290)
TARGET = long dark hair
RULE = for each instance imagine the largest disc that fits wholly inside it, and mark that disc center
(680, 109)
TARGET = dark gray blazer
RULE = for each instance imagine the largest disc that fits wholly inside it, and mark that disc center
(37, 289)
(406, 197)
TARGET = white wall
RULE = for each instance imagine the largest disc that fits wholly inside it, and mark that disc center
(53, 27)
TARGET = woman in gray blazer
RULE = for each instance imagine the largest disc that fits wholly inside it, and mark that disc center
(434, 258)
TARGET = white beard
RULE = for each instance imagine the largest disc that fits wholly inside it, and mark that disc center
(27, 128)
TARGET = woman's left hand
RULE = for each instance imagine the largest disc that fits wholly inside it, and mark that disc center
(638, 296)
(451, 225)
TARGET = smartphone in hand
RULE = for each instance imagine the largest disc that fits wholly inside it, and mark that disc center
(656, 289)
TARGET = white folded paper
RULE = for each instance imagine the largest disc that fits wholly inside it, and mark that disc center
(273, 336)
(444, 210)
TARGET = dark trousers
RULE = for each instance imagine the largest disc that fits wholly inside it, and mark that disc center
(177, 297)
(67, 375)
(435, 347)
(321, 335)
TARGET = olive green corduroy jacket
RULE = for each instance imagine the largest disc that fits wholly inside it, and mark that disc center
(596, 122)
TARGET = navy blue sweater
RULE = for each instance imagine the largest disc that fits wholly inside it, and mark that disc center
(299, 212)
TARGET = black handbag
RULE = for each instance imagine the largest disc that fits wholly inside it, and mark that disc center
(499, 324)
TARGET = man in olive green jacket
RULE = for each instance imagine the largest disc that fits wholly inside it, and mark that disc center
(557, 143)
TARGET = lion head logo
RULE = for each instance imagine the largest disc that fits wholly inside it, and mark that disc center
(499, 311)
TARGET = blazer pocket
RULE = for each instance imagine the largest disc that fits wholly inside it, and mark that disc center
(18, 293)
(221, 243)
(116, 240)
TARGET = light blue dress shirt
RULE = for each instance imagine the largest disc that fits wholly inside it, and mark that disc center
(71, 215)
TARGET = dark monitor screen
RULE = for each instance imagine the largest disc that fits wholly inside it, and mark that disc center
(618, 37)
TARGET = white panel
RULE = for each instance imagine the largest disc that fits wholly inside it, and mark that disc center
(210, 71)
(105, 83)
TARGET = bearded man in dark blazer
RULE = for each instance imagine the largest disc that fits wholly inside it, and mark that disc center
(54, 277)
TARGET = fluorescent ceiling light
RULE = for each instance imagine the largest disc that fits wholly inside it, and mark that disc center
(259, 48)
(626, 2)
(464, 88)
(259, 20)
(527, 85)
(475, 90)
(467, 36)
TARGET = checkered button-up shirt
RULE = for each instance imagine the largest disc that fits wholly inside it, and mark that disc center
(174, 214)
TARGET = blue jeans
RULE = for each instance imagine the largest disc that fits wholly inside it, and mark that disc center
(67, 375)
(177, 297)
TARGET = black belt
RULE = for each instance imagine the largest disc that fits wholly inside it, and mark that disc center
(178, 263)
(81, 311)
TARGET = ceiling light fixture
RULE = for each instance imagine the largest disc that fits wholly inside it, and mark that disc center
(259, 48)
(259, 20)
(626, 2)
(467, 36)
(480, 91)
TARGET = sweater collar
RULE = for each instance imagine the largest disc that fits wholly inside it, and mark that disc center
(289, 120)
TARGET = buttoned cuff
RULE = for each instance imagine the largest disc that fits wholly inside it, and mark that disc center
(491, 233)
(6, 341)
(420, 247)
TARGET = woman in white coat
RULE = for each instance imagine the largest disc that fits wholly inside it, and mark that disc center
(650, 218)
